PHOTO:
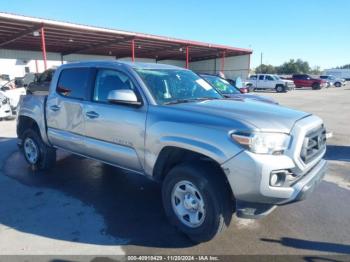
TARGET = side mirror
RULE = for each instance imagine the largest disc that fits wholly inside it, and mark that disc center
(123, 96)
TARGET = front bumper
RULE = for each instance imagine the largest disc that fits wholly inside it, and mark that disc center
(249, 177)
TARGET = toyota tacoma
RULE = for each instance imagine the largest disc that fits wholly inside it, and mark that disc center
(213, 156)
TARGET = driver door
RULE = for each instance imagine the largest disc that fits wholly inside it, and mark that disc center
(115, 132)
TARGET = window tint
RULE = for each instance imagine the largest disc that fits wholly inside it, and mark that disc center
(108, 80)
(269, 78)
(261, 77)
(73, 82)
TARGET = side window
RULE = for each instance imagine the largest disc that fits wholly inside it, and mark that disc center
(73, 82)
(253, 77)
(261, 77)
(269, 78)
(108, 80)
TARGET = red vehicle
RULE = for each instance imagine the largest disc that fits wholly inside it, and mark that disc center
(304, 80)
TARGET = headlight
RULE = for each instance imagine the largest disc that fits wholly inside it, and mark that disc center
(263, 143)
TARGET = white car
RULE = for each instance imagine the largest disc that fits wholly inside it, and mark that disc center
(332, 80)
(5, 109)
(13, 94)
(270, 82)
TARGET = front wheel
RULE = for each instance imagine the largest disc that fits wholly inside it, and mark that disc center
(38, 155)
(280, 89)
(197, 201)
(337, 84)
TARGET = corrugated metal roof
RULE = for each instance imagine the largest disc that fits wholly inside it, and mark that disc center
(17, 32)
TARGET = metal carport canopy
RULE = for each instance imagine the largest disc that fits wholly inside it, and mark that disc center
(34, 34)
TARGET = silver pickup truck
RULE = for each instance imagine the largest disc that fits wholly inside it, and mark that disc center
(213, 156)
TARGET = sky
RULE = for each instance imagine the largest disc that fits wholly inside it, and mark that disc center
(317, 31)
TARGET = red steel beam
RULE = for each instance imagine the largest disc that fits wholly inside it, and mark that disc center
(43, 46)
(187, 56)
(133, 50)
(223, 61)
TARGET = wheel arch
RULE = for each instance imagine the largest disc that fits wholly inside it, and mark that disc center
(26, 122)
(170, 156)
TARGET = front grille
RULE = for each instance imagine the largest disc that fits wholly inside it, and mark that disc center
(313, 145)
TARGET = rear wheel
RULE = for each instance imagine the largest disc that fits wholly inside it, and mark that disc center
(337, 84)
(38, 155)
(197, 201)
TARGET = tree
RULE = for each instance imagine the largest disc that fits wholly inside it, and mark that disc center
(288, 68)
(294, 67)
(265, 69)
(316, 70)
(344, 66)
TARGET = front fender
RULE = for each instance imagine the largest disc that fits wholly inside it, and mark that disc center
(211, 142)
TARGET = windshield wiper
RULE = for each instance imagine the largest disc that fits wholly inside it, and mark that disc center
(178, 101)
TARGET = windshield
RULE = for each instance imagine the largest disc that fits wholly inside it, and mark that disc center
(276, 77)
(221, 84)
(176, 86)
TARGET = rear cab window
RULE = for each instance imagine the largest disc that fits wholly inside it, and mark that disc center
(74, 83)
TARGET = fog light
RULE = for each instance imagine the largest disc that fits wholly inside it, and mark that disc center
(277, 178)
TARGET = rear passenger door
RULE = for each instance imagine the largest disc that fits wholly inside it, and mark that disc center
(260, 81)
(65, 107)
(115, 132)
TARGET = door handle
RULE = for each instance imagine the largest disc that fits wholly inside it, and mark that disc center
(92, 114)
(55, 108)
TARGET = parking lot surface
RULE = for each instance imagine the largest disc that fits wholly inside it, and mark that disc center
(85, 207)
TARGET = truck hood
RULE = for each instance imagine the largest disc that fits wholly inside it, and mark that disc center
(252, 97)
(261, 116)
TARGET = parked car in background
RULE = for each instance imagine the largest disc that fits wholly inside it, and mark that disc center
(25, 80)
(230, 91)
(41, 83)
(269, 82)
(338, 73)
(13, 93)
(5, 108)
(304, 80)
(332, 80)
(212, 156)
(289, 83)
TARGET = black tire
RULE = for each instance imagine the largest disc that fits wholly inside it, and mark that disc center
(216, 196)
(280, 89)
(337, 84)
(47, 155)
(316, 86)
